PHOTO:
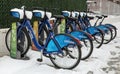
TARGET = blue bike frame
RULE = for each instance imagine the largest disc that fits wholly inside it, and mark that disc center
(26, 23)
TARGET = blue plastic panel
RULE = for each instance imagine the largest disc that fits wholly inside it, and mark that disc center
(79, 35)
(66, 14)
(37, 14)
(92, 30)
(62, 40)
(15, 14)
(103, 28)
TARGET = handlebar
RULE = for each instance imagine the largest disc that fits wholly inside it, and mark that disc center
(105, 16)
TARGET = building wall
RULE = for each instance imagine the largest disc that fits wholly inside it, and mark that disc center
(105, 7)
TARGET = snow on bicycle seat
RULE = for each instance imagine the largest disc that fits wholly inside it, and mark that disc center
(41, 14)
(66, 13)
(19, 13)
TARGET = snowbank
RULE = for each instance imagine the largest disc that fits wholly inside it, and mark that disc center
(98, 63)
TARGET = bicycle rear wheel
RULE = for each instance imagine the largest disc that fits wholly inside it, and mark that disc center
(114, 30)
(98, 38)
(107, 33)
(86, 41)
(23, 41)
(108, 36)
(71, 52)
(43, 34)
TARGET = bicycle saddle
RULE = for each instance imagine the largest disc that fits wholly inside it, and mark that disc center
(99, 17)
(105, 16)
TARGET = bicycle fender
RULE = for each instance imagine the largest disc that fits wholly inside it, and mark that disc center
(79, 35)
(61, 41)
(92, 30)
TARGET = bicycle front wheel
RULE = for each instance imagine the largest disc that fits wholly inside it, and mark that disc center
(71, 52)
(108, 36)
(23, 41)
(114, 30)
(86, 41)
(98, 38)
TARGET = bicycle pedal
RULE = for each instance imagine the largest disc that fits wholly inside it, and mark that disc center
(39, 60)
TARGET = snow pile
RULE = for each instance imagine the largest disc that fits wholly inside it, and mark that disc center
(98, 63)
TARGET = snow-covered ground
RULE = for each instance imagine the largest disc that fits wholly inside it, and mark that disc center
(105, 60)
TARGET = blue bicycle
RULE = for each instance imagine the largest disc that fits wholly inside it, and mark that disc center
(110, 26)
(76, 23)
(85, 38)
(106, 30)
(63, 50)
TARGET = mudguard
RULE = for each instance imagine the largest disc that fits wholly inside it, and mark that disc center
(81, 35)
(111, 26)
(59, 41)
(103, 28)
(92, 30)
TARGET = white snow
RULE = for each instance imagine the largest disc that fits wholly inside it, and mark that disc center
(93, 65)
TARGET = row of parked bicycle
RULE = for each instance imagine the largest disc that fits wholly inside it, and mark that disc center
(64, 50)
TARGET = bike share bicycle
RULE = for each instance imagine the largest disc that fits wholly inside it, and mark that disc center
(85, 38)
(106, 30)
(96, 33)
(112, 27)
(62, 49)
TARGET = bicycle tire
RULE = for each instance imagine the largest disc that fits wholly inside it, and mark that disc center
(88, 38)
(86, 46)
(57, 64)
(28, 42)
(100, 32)
(42, 35)
(111, 35)
(107, 34)
(114, 30)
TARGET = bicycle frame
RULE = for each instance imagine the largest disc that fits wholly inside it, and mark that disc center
(26, 23)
